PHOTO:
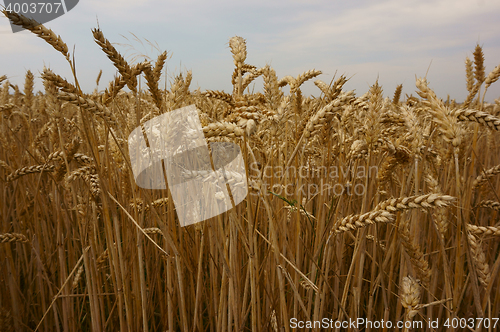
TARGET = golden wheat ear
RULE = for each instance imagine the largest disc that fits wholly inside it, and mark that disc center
(128, 74)
(40, 30)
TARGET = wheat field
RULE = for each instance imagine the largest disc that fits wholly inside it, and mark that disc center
(359, 206)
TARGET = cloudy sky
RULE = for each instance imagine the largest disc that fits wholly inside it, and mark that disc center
(392, 40)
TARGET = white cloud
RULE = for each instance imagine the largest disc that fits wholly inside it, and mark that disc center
(395, 39)
(21, 42)
(395, 24)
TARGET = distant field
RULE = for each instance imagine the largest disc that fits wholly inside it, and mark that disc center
(358, 206)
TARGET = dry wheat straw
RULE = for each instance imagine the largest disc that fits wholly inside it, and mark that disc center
(231, 272)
